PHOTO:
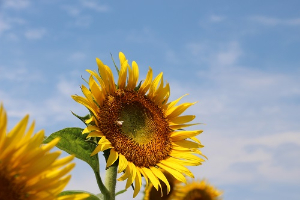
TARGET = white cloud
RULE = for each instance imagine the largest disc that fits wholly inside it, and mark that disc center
(77, 56)
(83, 21)
(216, 18)
(94, 5)
(251, 133)
(4, 25)
(16, 4)
(247, 159)
(215, 54)
(71, 10)
(34, 34)
(272, 21)
(19, 74)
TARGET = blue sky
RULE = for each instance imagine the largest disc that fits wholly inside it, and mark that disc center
(239, 60)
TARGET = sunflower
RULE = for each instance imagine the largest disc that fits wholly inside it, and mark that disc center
(196, 190)
(28, 171)
(138, 126)
(152, 194)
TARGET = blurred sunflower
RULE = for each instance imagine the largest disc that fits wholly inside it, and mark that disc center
(28, 171)
(196, 190)
(137, 124)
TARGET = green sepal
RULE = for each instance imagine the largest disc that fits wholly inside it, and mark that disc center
(115, 64)
(74, 142)
(120, 192)
(68, 192)
(83, 119)
(138, 87)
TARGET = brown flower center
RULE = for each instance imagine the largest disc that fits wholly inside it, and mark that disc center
(136, 127)
(197, 194)
(9, 190)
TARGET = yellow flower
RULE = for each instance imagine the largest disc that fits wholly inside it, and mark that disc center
(137, 124)
(196, 190)
(152, 194)
(28, 171)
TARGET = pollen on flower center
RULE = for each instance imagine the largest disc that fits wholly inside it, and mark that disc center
(136, 128)
(137, 122)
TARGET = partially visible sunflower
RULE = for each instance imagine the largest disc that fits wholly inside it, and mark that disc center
(196, 190)
(28, 171)
(137, 124)
(152, 194)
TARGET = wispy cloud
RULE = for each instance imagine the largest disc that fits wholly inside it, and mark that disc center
(272, 21)
(94, 5)
(249, 127)
(77, 56)
(16, 4)
(4, 25)
(246, 159)
(35, 34)
(216, 18)
(225, 54)
(19, 74)
(8, 23)
(71, 10)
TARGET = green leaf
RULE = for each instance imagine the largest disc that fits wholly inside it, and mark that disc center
(120, 192)
(68, 192)
(74, 142)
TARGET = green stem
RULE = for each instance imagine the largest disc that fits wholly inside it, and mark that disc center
(101, 186)
(110, 181)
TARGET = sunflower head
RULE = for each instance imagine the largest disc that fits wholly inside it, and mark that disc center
(27, 169)
(196, 190)
(139, 126)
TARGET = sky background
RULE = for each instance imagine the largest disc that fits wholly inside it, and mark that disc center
(240, 60)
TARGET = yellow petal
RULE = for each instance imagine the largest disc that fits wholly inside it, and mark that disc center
(182, 126)
(138, 183)
(177, 167)
(187, 144)
(122, 73)
(173, 172)
(84, 102)
(113, 156)
(131, 178)
(87, 93)
(186, 162)
(162, 95)
(90, 128)
(135, 70)
(103, 144)
(153, 85)
(97, 93)
(151, 177)
(146, 84)
(186, 156)
(162, 177)
(145, 176)
(122, 163)
(182, 119)
(126, 174)
(178, 110)
(181, 135)
(101, 82)
(103, 74)
(170, 106)
(111, 79)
